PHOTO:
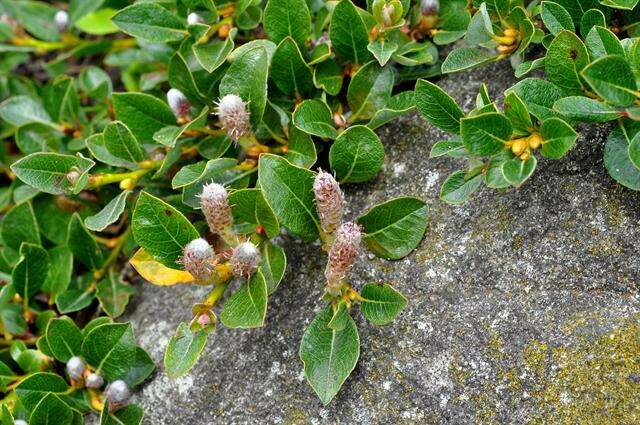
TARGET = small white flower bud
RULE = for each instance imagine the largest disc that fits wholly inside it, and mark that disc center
(20, 422)
(94, 381)
(193, 18)
(429, 7)
(342, 255)
(197, 259)
(329, 201)
(215, 207)
(72, 177)
(61, 19)
(178, 103)
(234, 116)
(245, 259)
(75, 368)
(117, 393)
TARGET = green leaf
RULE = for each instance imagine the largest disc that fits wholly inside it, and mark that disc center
(382, 50)
(161, 230)
(64, 337)
(289, 71)
(340, 317)
(220, 170)
(120, 142)
(539, 96)
(142, 113)
(287, 18)
(170, 135)
(328, 76)
(585, 109)
(82, 244)
(181, 78)
(313, 116)
(183, 350)
(612, 79)
(329, 355)
(485, 134)
(36, 17)
(302, 150)
(517, 171)
(109, 214)
(151, 22)
(247, 78)
(457, 188)
(140, 369)
(60, 270)
(348, 33)
(381, 303)
(558, 138)
(212, 55)
(249, 206)
(394, 228)
(19, 225)
(357, 155)
(616, 154)
(555, 17)
(453, 148)
(566, 58)
(397, 106)
(6, 377)
(32, 389)
(30, 273)
(128, 415)
(61, 99)
(246, 307)
(21, 110)
(98, 22)
(113, 294)
(465, 58)
(591, 18)
(438, 107)
(289, 191)
(47, 172)
(601, 42)
(52, 410)
(516, 111)
(369, 90)
(273, 265)
(74, 300)
(620, 4)
(634, 150)
(110, 349)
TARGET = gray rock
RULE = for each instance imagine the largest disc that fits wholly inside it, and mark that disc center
(523, 306)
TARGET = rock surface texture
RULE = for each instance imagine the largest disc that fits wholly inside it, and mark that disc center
(523, 307)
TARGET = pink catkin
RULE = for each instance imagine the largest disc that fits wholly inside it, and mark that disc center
(342, 255)
(215, 207)
(329, 201)
(245, 259)
(197, 259)
(233, 114)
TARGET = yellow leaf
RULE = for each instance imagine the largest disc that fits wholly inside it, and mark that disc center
(158, 273)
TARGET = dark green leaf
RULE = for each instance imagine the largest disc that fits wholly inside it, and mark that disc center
(183, 350)
(438, 107)
(349, 36)
(381, 303)
(357, 155)
(64, 338)
(287, 18)
(82, 244)
(47, 171)
(247, 306)
(313, 116)
(150, 21)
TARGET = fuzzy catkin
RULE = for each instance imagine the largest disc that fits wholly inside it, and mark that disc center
(178, 103)
(214, 201)
(329, 201)
(342, 255)
(429, 7)
(245, 259)
(234, 116)
(197, 258)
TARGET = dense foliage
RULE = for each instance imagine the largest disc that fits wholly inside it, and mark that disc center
(184, 135)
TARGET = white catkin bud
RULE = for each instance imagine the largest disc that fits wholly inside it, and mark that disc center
(329, 201)
(215, 207)
(429, 7)
(75, 368)
(20, 422)
(178, 103)
(94, 381)
(193, 18)
(342, 255)
(234, 116)
(245, 259)
(61, 19)
(117, 392)
(72, 177)
(197, 258)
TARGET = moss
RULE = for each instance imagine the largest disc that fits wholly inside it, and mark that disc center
(296, 417)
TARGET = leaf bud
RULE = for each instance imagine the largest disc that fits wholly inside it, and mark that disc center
(117, 394)
(329, 201)
(193, 18)
(234, 116)
(342, 255)
(245, 259)
(535, 141)
(196, 259)
(518, 146)
(94, 381)
(73, 177)
(61, 20)
(75, 368)
(387, 12)
(215, 207)
(429, 7)
(20, 422)
(178, 103)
